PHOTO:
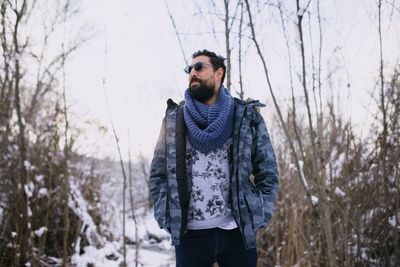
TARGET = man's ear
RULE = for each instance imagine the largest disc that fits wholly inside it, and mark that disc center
(220, 72)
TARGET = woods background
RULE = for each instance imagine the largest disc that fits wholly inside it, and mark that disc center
(339, 203)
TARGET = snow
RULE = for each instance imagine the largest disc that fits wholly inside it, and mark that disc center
(333, 153)
(27, 165)
(314, 200)
(291, 166)
(39, 232)
(110, 256)
(392, 221)
(42, 192)
(130, 230)
(367, 216)
(340, 162)
(103, 244)
(301, 163)
(93, 255)
(152, 227)
(339, 192)
(39, 178)
(150, 253)
(29, 189)
(147, 226)
(335, 164)
(78, 204)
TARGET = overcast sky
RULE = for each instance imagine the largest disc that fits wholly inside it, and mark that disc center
(143, 66)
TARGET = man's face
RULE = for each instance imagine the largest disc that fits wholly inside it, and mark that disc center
(202, 83)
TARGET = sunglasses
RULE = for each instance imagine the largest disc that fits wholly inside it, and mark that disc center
(198, 66)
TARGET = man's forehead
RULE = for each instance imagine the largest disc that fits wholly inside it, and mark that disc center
(201, 58)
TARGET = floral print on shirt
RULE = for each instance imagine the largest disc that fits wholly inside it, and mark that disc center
(210, 183)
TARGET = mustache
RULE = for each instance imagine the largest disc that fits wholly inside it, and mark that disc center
(195, 79)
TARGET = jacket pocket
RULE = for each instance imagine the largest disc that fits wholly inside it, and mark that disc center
(161, 211)
(255, 208)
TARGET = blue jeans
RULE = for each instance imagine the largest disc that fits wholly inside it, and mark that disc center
(201, 248)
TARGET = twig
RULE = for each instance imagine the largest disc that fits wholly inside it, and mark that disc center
(133, 202)
(241, 93)
(66, 148)
(295, 127)
(227, 45)
(176, 32)
(116, 142)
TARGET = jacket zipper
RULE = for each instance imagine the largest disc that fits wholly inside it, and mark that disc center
(236, 171)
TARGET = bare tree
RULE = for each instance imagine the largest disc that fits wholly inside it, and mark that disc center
(24, 232)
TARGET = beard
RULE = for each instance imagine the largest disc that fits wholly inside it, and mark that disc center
(201, 91)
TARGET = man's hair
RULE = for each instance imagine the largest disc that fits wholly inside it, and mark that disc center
(215, 60)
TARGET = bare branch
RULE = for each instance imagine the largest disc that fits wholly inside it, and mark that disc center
(66, 187)
(295, 127)
(241, 92)
(227, 45)
(176, 32)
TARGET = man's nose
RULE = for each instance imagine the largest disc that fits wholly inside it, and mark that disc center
(192, 74)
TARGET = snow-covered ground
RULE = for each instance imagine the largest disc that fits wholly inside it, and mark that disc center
(151, 252)
(104, 239)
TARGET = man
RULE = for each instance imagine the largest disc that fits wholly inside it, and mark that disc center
(209, 150)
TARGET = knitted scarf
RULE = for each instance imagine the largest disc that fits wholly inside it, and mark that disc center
(209, 127)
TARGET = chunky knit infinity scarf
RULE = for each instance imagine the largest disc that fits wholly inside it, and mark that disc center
(209, 127)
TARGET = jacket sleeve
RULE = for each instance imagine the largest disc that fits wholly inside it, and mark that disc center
(265, 169)
(158, 180)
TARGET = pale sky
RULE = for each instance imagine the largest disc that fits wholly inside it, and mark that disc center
(143, 66)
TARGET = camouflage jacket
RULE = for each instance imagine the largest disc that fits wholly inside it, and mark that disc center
(251, 155)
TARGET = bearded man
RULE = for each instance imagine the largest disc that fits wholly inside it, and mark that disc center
(214, 176)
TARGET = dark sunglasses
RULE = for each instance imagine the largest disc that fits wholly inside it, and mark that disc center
(198, 66)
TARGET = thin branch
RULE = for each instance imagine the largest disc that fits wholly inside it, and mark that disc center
(382, 93)
(104, 87)
(133, 201)
(312, 65)
(295, 127)
(66, 148)
(176, 32)
(320, 122)
(241, 92)
(227, 45)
